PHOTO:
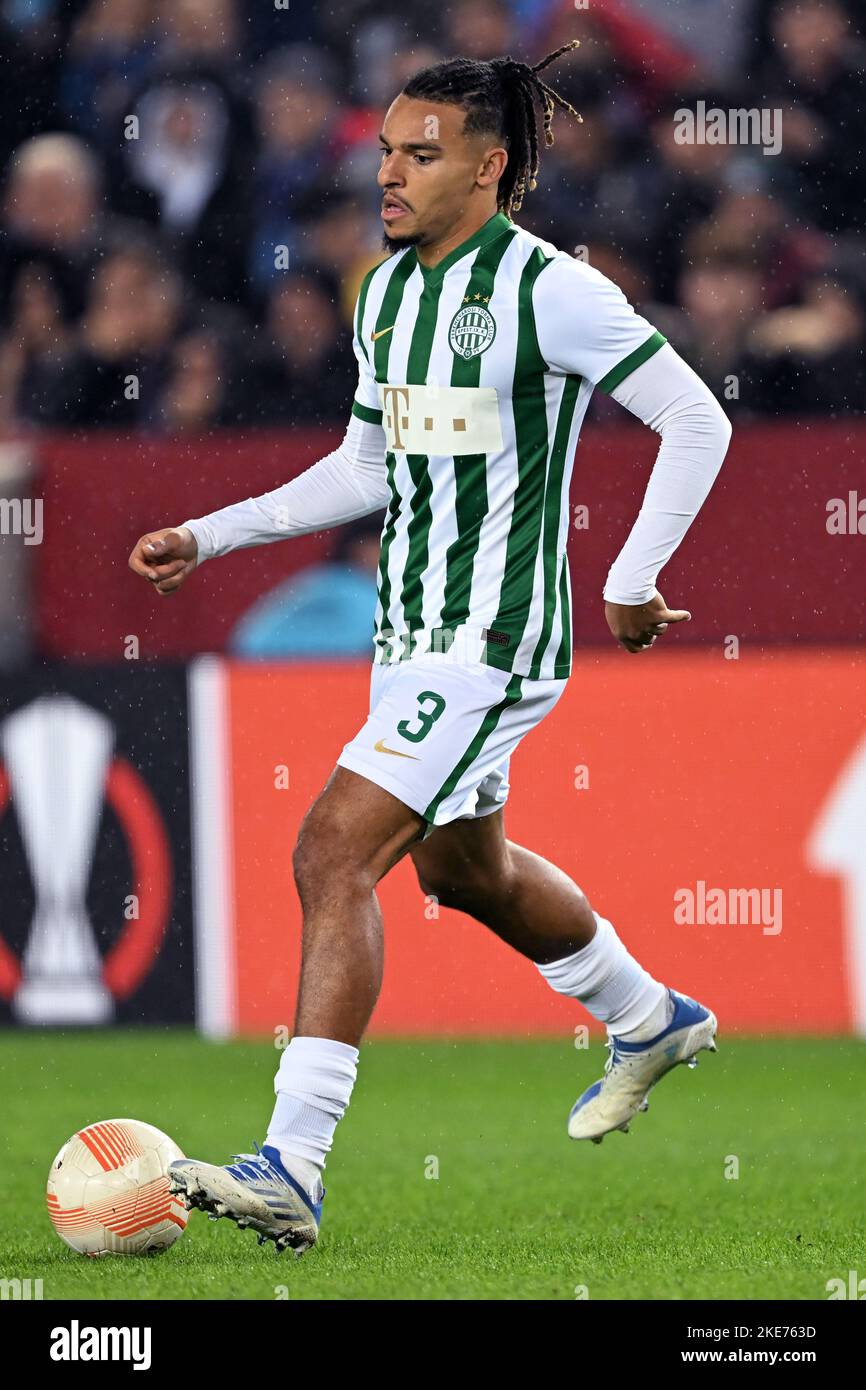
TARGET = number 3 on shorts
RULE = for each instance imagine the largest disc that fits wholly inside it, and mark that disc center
(426, 718)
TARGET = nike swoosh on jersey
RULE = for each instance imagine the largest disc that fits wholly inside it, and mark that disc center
(395, 752)
(380, 333)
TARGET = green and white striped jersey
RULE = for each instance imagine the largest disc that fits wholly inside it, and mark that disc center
(479, 373)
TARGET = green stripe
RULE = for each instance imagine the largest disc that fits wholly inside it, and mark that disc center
(513, 692)
(530, 432)
(418, 529)
(628, 364)
(417, 556)
(363, 412)
(470, 470)
(387, 538)
(562, 665)
(391, 302)
(553, 501)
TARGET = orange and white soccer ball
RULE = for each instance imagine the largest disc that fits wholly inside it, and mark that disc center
(108, 1190)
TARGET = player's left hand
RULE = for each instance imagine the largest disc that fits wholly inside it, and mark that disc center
(636, 626)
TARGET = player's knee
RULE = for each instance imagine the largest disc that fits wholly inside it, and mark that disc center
(323, 857)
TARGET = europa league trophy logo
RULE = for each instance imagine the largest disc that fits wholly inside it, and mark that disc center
(56, 751)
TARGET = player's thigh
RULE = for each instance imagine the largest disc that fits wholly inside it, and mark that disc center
(464, 857)
(353, 827)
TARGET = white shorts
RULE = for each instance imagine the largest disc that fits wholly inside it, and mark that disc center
(440, 734)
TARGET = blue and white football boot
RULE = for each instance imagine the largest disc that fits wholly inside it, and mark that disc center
(258, 1191)
(633, 1068)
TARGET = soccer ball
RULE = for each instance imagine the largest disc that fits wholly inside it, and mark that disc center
(108, 1190)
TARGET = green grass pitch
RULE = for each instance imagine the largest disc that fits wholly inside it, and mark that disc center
(517, 1211)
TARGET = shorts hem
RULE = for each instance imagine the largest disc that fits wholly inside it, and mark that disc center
(381, 779)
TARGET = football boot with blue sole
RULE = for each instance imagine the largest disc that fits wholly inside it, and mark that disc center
(257, 1192)
(633, 1068)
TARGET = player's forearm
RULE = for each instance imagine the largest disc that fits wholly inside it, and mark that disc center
(350, 482)
(325, 495)
(667, 395)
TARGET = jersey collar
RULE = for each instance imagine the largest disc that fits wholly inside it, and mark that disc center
(493, 227)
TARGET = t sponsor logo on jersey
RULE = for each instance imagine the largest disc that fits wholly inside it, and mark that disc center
(445, 420)
(472, 330)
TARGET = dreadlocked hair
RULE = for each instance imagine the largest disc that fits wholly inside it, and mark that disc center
(499, 95)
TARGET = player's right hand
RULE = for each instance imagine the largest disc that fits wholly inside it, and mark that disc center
(165, 557)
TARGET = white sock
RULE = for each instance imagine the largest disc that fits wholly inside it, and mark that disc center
(657, 1021)
(612, 986)
(313, 1085)
(308, 1174)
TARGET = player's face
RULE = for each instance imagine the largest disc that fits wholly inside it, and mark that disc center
(430, 171)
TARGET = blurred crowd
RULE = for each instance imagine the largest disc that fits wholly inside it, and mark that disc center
(189, 194)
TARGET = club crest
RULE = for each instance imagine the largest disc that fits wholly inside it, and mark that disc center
(472, 330)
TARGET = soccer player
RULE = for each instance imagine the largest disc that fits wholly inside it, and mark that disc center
(478, 346)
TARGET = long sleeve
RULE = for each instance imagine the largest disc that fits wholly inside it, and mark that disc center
(348, 483)
(585, 326)
(668, 396)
